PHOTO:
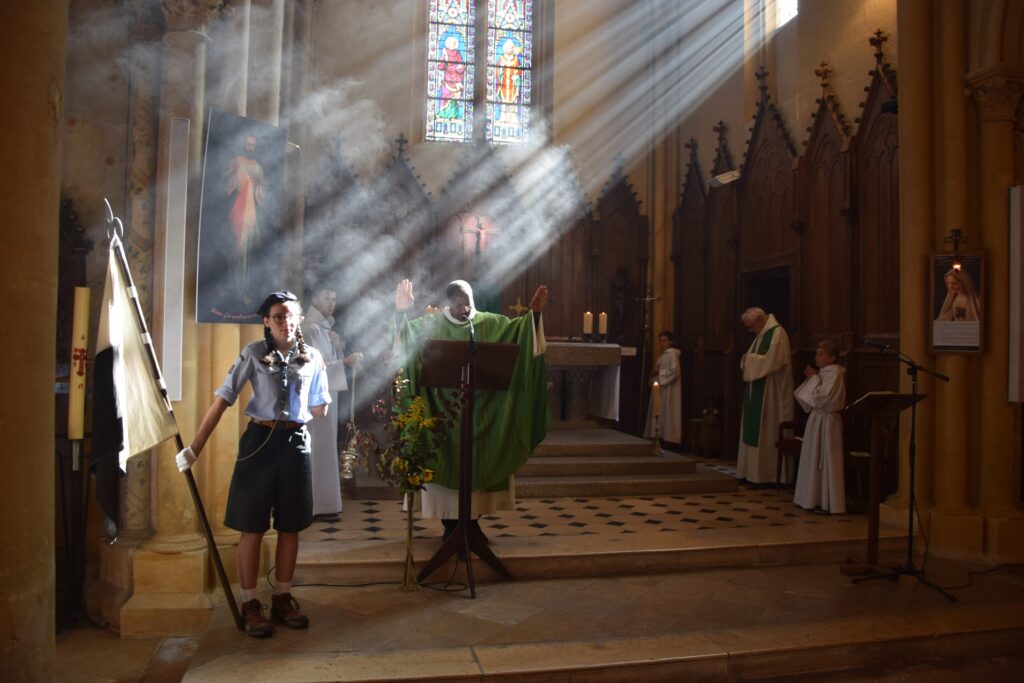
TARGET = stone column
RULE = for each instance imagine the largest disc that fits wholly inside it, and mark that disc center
(32, 45)
(997, 93)
(229, 66)
(954, 528)
(914, 20)
(266, 38)
(663, 187)
(263, 96)
(170, 569)
(105, 596)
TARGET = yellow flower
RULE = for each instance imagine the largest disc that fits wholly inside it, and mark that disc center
(414, 480)
(398, 465)
(428, 475)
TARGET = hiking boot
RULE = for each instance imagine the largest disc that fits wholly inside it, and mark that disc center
(284, 609)
(256, 625)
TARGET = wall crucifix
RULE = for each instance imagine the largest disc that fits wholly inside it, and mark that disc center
(480, 230)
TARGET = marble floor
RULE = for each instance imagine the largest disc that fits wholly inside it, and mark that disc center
(791, 622)
(369, 520)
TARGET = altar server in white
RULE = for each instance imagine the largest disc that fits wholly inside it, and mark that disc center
(316, 328)
(820, 484)
(666, 374)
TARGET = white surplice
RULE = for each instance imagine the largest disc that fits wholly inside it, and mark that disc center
(671, 389)
(323, 431)
(820, 482)
(757, 463)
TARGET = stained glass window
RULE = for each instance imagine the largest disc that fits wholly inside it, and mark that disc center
(450, 66)
(451, 63)
(509, 69)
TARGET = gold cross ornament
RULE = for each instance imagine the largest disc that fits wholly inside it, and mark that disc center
(519, 308)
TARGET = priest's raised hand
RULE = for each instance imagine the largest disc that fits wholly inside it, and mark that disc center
(540, 299)
(404, 298)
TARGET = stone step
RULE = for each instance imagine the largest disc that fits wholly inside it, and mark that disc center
(556, 466)
(586, 441)
(566, 425)
(547, 557)
(701, 481)
(983, 643)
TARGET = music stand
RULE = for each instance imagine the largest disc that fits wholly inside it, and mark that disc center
(880, 407)
(471, 366)
(909, 568)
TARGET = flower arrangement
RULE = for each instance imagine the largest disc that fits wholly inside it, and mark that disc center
(408, 461)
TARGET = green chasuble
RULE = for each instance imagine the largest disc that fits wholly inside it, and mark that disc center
(753, 396)
(508, 425)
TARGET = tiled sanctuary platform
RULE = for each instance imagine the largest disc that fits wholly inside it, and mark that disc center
(712, 587)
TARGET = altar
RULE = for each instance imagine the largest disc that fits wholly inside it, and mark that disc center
(584, 380)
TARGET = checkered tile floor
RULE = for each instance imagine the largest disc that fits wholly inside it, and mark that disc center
(367, 520)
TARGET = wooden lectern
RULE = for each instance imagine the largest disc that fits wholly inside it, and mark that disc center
(881, 407)
(471, 366)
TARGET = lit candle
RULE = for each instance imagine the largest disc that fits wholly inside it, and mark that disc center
(588, 323)
(656, 399)
(602, 323)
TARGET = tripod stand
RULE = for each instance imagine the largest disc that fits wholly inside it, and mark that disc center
(908, 568)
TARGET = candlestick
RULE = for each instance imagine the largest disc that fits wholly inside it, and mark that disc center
(602, 323)
(656, 399)
(588, 323)
(76, 372)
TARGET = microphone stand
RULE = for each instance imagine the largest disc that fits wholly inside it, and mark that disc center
(908, 568)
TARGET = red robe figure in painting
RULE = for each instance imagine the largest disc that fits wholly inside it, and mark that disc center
(453, 65)
(245, 188)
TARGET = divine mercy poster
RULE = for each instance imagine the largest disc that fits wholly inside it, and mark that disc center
(242, 249)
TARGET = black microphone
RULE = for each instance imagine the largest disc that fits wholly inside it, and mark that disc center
(877, 344)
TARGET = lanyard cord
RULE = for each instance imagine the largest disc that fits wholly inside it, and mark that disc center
(283, 407)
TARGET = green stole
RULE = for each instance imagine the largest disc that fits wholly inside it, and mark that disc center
(753, 396)
(508, 425)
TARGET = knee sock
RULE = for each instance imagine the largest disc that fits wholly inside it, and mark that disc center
(283, 587)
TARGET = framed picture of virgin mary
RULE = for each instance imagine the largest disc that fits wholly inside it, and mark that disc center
(957, 310)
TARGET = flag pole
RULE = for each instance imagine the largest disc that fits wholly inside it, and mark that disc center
(114, 227)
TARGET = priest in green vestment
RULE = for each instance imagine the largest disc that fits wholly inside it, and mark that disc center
(508, 425)
(767, 397)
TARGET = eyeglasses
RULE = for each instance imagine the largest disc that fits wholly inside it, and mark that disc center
(291, 317)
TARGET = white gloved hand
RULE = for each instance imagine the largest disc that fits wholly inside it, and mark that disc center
(185, 459)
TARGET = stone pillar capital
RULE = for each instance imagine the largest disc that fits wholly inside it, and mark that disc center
(997, 92)
(146, 20)
(190, 15)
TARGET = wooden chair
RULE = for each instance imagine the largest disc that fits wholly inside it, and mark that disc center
(788, 446)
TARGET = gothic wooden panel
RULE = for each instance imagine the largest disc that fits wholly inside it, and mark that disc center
(619, 248)
(877, 208)
(825, 296)
(720, 252)
(565, 269)
(722, 269)
(688, 253)
(557, 254)
(619, 252)
(767, 191)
